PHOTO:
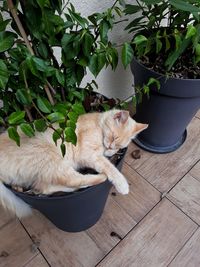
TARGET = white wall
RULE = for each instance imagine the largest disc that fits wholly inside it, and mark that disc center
(112, 84)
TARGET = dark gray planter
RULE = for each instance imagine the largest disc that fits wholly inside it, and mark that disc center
(167, 111)
(73, 212)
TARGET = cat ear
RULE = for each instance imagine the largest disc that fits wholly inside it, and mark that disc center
(139, 127)
(121, 116)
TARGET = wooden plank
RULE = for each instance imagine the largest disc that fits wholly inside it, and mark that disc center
(61, 248)
(5, 217)
(114, 220)
(37, 261)
(15, 246)
(195, 171)
(186, 195)
(136, 162)
(163, 171)
(142, 197)
(155, 241)
(189, 255)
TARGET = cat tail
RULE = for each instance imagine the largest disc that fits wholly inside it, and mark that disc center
(12, 203)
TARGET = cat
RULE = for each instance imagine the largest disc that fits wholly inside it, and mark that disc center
(38, 162)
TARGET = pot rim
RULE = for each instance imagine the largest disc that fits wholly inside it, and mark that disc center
(161, 74)
(67, 195)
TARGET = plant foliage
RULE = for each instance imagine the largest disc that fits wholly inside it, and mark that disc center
(165, 32)
(36, 89)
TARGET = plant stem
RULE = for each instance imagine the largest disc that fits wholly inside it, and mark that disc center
(19, 25)
(24, 35)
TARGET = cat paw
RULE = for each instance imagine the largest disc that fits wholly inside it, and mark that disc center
(122, 186)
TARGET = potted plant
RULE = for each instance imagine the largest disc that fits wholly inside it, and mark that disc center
(38, 90)
(165, 60)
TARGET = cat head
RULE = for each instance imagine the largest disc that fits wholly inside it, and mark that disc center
(118, 130)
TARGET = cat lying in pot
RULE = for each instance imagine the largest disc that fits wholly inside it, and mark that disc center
(39, 164)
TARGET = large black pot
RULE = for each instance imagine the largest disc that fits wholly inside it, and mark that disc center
(168, 111)
(73, 212)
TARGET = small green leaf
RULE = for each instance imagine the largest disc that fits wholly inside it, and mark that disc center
(104, 28)
(158, 45)
(197, 50)
(78, 108)
(73, 116)
(87, 44)
(60, 77)
(40, 125)
(16, 117)
(44, 105)
(63, 149)
(139, 39)
(27, 129)
(127, 54)
(71, 124)
(97, 62)
(13, 134)
(56, 117)
(57, 135)
(132, 9)
(154, 81)
(23, 97)
(6, 40)
(70, 135)
(191, 31)
(4, 74)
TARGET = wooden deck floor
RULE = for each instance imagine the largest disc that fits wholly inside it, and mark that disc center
(156, 225)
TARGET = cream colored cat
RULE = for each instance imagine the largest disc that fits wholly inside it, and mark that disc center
(38, 163)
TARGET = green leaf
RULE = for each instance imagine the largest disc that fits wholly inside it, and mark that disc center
(70, 135)
(71, 124)
(132, 9)
(3, 24)
(73, 116)
(42, 49)
(191, 31)
(154, 81)
(16, 117)
(87, 44)
(40, 125)
(78, 108)
(80, 20)
(56, 117)
(113, 59)
(158, 45)
(177, 36)
(57, 135)
(63, 149)
(44, 105)
(60, 77)
(127, 54)
(97, 62)
(184, 6)
(43, 3)
(6, 40)
(197, 50)
(139, 39)
(23, 97)
(175, 55)
(27, 129)
(4, 74)
(13, 134)
(104, 28)
(40, 64)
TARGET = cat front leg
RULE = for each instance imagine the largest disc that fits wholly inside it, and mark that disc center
(103, 165)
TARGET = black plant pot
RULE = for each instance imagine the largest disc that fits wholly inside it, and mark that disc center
(73, 212)
(167, 111)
